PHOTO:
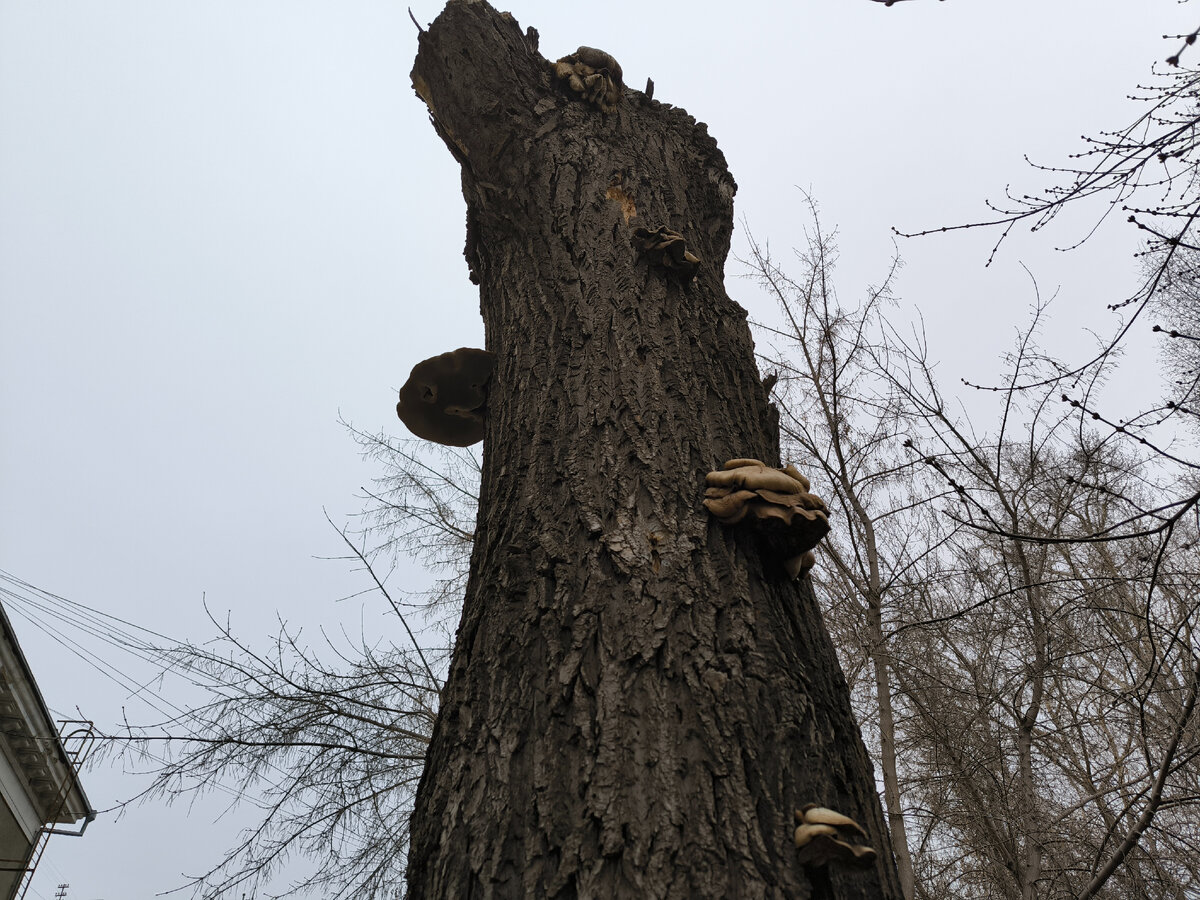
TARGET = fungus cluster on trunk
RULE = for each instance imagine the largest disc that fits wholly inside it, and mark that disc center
(775, 503)
(823, 836)
(445, 397)
(667, 248)
(594, 75)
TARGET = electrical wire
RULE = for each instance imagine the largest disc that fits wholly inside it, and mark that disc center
(51, 613)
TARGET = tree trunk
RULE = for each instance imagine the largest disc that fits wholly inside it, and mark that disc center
(638, 701)
(889, 772)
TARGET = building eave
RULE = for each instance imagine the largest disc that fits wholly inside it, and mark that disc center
(30, 740)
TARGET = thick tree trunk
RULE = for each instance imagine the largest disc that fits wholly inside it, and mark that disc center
(637, 701)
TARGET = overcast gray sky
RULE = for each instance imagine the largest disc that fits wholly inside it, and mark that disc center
(221, 223)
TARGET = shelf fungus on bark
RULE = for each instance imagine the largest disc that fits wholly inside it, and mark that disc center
(594, 75)
(668, 249)
(799, 566)
(823, 836)
(445, 396)
(776, 502)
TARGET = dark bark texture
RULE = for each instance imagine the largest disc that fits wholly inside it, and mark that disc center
(638, 700)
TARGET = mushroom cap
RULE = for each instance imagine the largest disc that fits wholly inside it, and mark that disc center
(444, 398)
(728, 506)
(822, 848)
(805, 833)
(790, 521)
(822, 837)
(799, 566)
(593, 74)
(791, 470)
(667, 248)
(820, 815)
(755, 478)
(600, 61)
(742, 461)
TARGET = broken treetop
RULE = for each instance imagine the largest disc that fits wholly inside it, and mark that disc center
(512, 118)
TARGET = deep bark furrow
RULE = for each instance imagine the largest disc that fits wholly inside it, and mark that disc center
(637, 700)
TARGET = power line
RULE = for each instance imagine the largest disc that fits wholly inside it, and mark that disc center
(51, 613)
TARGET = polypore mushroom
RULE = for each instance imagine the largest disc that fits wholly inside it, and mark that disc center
(799, 566)
(444, 397)
(812, 814)
(776, 503)
(823, 836)
(668, 249)
(593, 74)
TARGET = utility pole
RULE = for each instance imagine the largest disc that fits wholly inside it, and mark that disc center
(62, 891)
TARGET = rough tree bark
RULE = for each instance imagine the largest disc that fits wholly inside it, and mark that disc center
(637, 700)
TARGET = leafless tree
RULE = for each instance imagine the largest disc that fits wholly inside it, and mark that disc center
(1113, 497)
(1177, 313)
(1145, 173)
(1028, 656)
(841, 415)
(323, 742)
(421, 507)
(1052, 692)
(1034, 681)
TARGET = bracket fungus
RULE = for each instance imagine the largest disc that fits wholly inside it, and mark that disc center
(799, 566)
(594, 75)
(824, 836)
(776, 502)
(668, 249)
(444, 398)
